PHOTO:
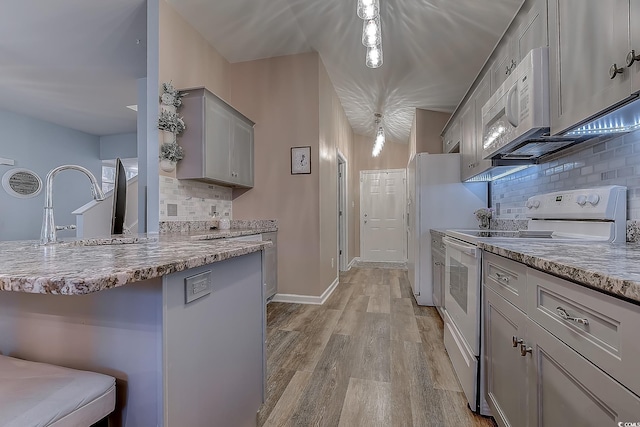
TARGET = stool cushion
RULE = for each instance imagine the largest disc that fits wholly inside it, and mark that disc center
(38, 394)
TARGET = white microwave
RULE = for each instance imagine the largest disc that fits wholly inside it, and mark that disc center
(516, 117)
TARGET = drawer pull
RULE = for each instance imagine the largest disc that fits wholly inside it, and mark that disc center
(502, 277)
(515, 341)
(563, 313)
(524, 350)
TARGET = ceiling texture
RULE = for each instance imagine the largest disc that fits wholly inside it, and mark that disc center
(75, 62)
(433, 49)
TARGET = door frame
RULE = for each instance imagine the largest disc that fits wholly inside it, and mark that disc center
(404, 208)
(343, 222)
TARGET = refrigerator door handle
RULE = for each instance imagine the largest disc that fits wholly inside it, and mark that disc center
(464, 248)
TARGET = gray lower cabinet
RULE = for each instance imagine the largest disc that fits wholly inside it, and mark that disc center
(586, 39)
(271, 264)
(506, 370)
(567, 389)
(546, 370)
(218, 141)
(437, 271)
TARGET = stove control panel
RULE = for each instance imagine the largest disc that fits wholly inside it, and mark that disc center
(602, 203)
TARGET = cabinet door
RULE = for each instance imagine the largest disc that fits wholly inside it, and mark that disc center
(635, 43)
(452, 138)
(468, 142)
(533, 30)
(586, 38)
(506, 60)
(218, 131)
(482, 95)
(506, 391)
(242, 153)
(566, 389)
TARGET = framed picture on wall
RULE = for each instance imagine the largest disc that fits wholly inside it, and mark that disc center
(300, 160)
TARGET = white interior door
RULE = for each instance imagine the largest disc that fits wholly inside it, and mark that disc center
(382, 213)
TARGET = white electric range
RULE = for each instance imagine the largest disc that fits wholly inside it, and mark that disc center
(594, 214)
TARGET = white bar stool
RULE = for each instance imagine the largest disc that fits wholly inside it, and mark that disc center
(38, 394)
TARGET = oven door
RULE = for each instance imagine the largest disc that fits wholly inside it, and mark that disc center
(462, 290)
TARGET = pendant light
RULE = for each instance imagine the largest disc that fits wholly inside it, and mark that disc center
(368, 9)
(371, 32)
(374, 57)
(380, 137)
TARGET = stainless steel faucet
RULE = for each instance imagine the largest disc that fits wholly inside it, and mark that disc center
(48, 234)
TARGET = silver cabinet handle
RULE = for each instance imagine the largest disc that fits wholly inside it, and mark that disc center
(614, 71)
(524, 349)
(515, 341)
(563, 313)
(502, 277)
(632, 57)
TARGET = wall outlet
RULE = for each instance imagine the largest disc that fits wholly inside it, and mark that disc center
(197, 286)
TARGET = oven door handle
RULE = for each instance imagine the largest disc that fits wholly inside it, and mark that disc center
(466, 249)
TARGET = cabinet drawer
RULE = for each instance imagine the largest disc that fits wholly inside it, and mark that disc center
(506, 277)
(608, 333)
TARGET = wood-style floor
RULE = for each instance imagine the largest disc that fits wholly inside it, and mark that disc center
(368, 357)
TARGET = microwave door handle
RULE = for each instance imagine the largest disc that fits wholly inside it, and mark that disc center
(511, 117)
(467, 249)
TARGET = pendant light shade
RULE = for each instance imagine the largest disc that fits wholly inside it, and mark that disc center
(374, 57)
(371, 32)
(380, 137)
(368, 9)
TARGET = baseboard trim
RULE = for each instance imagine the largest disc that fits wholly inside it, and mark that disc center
(306, 299)
(353, 262)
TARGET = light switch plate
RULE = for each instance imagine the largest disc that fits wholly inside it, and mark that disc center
(197, 286)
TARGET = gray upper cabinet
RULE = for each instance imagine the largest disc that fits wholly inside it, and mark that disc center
(588, 41)
(471, 125)
(634, 66)
(527, 31)
(218, 142)
(451, 140)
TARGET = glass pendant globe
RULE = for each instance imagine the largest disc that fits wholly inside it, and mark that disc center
(374, 57)
(371, 32)
(368, 9)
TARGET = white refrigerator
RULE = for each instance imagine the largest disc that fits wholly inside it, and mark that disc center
(436, 199)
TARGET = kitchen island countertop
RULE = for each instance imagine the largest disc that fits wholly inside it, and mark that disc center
(91, 265)
(611, 268)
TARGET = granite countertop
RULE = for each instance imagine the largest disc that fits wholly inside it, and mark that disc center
(225, 234)
(82, 267)
(612, 268)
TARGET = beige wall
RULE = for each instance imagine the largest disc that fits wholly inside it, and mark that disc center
(281, 96)
(335, 134)
(393, 156)
(425, 131)
(187, 59)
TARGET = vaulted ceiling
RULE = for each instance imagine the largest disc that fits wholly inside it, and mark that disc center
(75, 62)
(433, 49)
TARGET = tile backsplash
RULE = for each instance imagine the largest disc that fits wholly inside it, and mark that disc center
(612, 162)
(182, 200)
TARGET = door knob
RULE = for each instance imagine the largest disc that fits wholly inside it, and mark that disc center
(614, 71)
(632, 57)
